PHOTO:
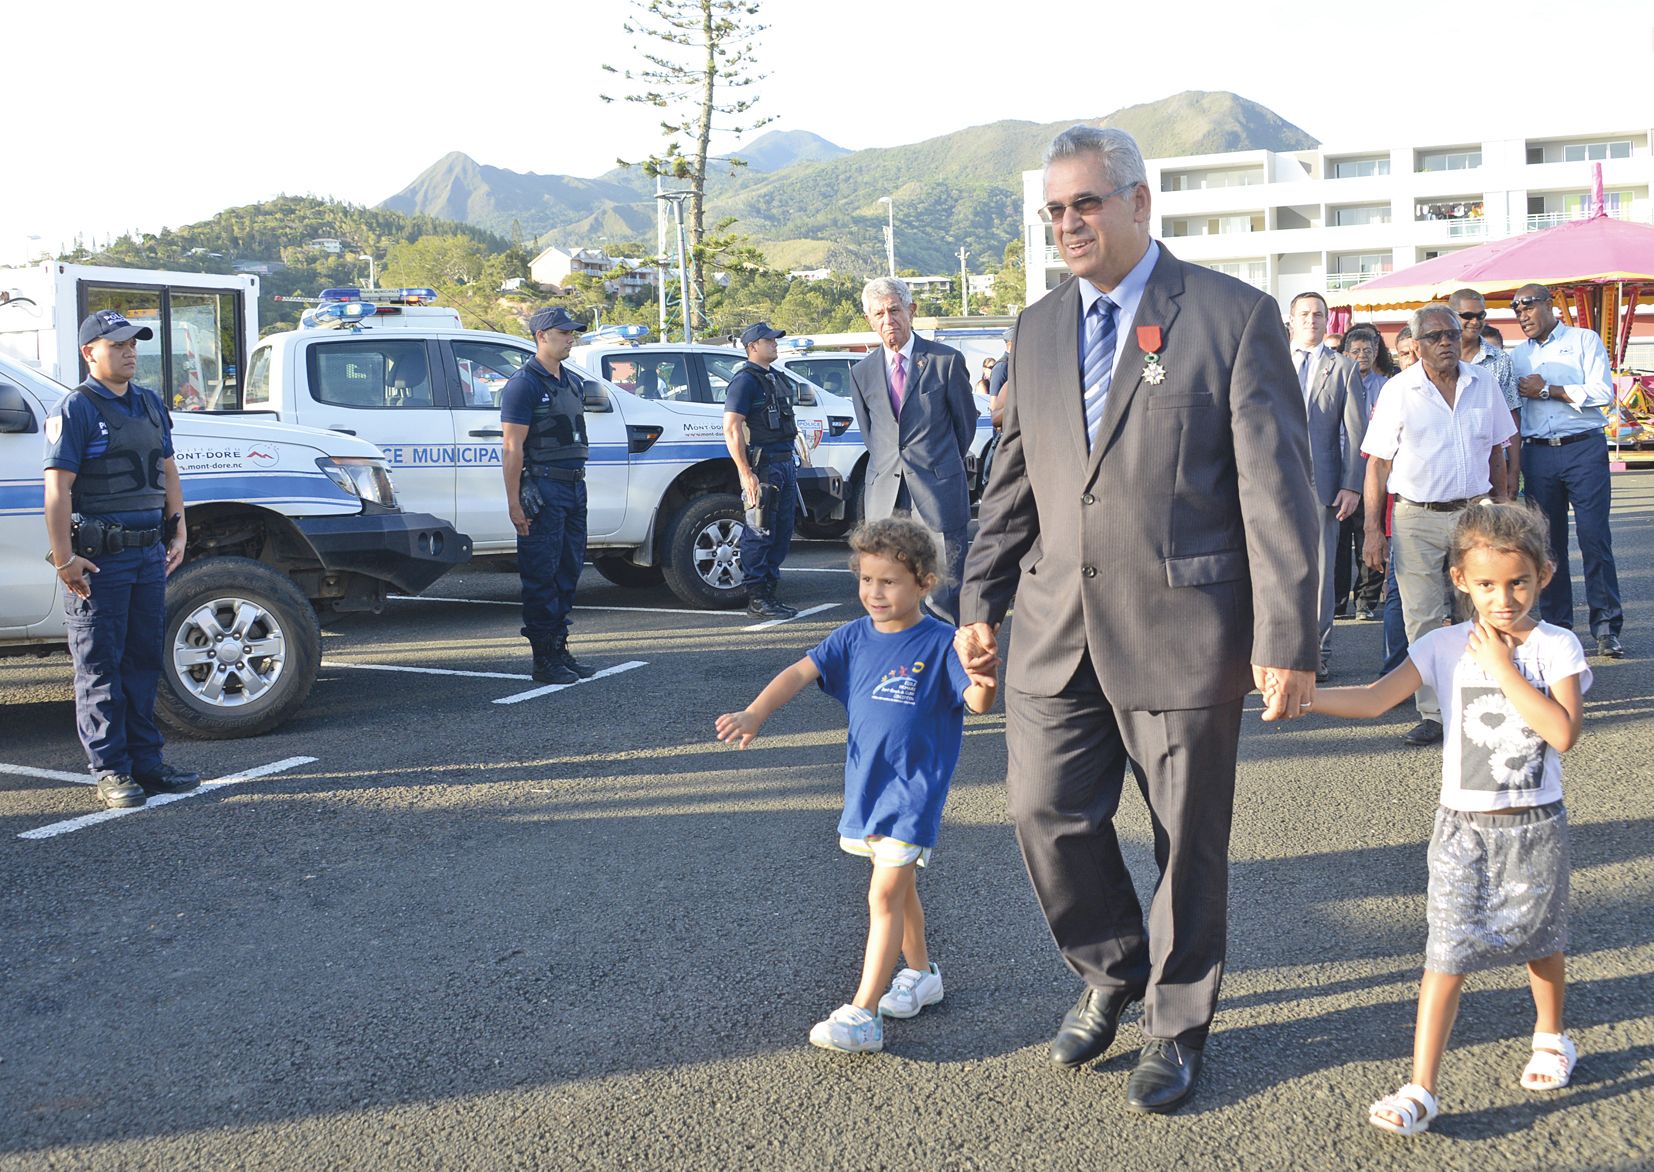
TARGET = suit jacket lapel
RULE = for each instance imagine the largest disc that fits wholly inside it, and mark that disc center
(915, 364)
(1157, 308)
(1070, 394)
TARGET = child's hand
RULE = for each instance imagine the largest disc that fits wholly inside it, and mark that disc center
(1492, 649)
(982, 679)
(976, 659)
(738, 726)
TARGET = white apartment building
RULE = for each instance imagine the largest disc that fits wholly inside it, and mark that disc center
(555, 265)
(1326, 219)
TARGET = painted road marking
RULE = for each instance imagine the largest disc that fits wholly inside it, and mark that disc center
(47, 774)
(717, 614)
(816, 570)
(800, 615)
(550, 688)
(429, 671)
(155, 800)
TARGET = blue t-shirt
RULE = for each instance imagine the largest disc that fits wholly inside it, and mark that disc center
(905, 696)
(80, 434)
(745, 396)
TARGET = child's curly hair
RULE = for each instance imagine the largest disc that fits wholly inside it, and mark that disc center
(1504, 526)
(900, 539)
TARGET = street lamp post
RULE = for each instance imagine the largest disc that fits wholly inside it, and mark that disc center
(373, 271)
(964, 285)
(676, 198)
(890, 233)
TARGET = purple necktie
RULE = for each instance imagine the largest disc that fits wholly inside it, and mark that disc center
(898, 385)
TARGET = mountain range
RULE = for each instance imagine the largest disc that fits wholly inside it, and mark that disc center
(808, 202)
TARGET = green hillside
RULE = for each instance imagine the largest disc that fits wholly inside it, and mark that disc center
(960, 189)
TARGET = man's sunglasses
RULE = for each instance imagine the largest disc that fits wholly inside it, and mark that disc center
(1437, 337)
(1086, 205)
(1482, 316)
(1521, 303)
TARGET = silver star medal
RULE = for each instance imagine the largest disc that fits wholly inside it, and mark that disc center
(1153, 372)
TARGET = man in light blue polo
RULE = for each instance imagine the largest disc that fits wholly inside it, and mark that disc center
(1562, 376)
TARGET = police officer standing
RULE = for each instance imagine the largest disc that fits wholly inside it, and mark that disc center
(115, 519)
(759, 430)
(542, 413)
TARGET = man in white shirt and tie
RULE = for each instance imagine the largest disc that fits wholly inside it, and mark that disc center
(1436, 440)
(1336, 403)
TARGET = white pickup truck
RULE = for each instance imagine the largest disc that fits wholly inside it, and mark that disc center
(663, 497)
(284, 523)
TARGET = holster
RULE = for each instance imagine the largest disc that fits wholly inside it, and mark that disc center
(761, 514)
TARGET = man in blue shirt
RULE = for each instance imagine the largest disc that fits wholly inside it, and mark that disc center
(1563, 378)
(542, 416)
(115, 519)
(759, 431)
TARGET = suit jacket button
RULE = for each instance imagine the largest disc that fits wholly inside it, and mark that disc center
(1088, 499)
(1089, 571)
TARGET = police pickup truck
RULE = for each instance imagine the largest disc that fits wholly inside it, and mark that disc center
(392, 367)
(285, 523)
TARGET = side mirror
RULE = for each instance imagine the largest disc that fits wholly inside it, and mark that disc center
(597, 400)
(16, 416)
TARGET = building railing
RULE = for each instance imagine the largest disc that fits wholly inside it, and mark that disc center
(1349, 280)
(1633, 213)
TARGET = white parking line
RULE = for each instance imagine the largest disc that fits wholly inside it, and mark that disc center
(716, 614)
(429, 671)
(550, 688)
(85, 820)
(800, 615)
(816, 570)
(47, 774)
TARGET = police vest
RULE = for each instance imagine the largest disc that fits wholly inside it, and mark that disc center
(558, 429)
(771, 419)
(129, 476)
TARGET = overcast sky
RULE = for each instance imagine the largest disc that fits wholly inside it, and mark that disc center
(260, 99)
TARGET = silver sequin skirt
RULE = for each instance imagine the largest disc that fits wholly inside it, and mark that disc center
(1498, 888)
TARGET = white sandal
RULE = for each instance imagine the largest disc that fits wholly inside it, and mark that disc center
(1552, 1063)
(1412, 1104)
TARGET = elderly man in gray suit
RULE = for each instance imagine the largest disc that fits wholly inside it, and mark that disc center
(1151, 509)
(917, 415)
(1336, 401)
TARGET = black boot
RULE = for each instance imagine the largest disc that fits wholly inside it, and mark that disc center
(761, 604)
(548, 668)
(560, 650)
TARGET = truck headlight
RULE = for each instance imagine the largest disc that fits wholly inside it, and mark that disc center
(361, 476)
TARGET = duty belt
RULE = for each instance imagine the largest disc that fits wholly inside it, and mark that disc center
(567, 475)
(1556, 441)
(92, 538)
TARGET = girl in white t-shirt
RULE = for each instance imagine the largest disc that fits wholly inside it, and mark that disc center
(1511, 690)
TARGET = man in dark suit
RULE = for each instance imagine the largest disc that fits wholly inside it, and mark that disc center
(1335, 401)
(1151, 509)
(917, 415)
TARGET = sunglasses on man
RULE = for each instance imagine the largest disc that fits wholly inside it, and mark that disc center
(1520, 303)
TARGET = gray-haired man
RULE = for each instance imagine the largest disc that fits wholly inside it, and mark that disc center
(917, 415)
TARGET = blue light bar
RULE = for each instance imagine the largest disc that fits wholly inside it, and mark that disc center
(627, 333)
(804, 344)
(333, 314)
(407, 295)
(341, 295)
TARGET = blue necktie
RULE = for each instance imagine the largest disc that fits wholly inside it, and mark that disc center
(1097, 368)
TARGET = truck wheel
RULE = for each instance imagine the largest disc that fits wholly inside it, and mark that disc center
(834, 530)
(703, 553)
(623, 571)
(240, 650)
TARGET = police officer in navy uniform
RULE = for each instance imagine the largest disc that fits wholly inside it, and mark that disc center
(759, 430)
(114, 516)
(542, 413)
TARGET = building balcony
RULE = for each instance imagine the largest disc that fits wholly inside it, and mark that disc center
(1636, 214)
(1336, 281)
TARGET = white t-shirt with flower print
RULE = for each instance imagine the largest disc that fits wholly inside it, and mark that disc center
(1491, 759)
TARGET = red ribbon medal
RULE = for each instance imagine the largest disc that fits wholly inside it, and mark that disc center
(1148, 339)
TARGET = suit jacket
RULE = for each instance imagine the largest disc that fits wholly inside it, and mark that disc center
(926, 447)
(1182, 548)
(1337, 424)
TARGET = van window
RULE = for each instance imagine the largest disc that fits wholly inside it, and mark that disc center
(371, 373)
(830, 374)
(484, 368)
(649, 375)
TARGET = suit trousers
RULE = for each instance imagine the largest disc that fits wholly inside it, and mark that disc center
(1368, 585)
(1324, 566)
(1418, 544)
(944, 600)
(1576, 474)
(1067, 760)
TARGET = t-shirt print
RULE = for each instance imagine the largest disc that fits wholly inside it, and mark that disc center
(1498, 752)
(899, 685)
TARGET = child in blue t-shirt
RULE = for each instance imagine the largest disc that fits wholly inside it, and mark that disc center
(905, 691)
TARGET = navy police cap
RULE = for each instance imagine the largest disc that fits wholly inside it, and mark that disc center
(109, 323)
(554, 317)
(760, 331)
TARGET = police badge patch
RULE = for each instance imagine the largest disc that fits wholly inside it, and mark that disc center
(54, 428)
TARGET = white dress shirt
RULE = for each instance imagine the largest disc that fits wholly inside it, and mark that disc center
(1576, 361)
(1315, 352)
(1128, 295)
(1439, 453)
(906, 353)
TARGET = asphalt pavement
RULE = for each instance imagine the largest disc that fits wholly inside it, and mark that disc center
(418, 926)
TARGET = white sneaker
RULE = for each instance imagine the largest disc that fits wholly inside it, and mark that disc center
(911, 991)
(849, 1029)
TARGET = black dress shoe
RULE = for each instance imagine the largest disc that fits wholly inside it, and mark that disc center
(167, 779)
(1425, 732)
(1164, 1076)
(1088, 1029)
(1610, 646)
(120, 792)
